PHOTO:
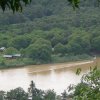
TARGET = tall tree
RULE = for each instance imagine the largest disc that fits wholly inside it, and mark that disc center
(16, 5)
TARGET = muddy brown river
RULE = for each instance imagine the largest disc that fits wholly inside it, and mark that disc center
(49, 76)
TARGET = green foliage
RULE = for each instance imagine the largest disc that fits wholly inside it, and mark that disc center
(15, 5)
(68, 32)
(11, 51)
(60, 49)
(18, 94)
(64, 95)
(79, 42)
(36, 93)
(2, 93)
(96, 44)
(2, 61)
(59, 58)
(78, 71)
(89, 88)
(40, 51)
(50, 95)
(75, 3)
(20, 42)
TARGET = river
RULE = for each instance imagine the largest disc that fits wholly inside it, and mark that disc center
(48, 76)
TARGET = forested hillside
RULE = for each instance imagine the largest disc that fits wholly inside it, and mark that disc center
(47, 28)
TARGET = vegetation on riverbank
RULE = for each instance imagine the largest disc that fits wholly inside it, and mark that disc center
(50, 31)
(87, 89)
(21, 62)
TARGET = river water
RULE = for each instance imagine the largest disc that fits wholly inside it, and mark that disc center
(49, 76)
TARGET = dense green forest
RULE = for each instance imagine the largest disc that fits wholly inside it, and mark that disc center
(48, 30)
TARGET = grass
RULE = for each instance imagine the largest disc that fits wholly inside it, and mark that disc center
(68, 58)
(13, 63)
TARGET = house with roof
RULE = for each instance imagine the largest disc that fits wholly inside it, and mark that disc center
(12, 56)
(2, 49)
(7, 56)
(16, 55)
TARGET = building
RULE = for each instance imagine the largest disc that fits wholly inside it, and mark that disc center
(7, 56)
(12, 56)
(2, 49)
(16, 55)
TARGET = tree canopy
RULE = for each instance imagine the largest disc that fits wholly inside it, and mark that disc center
(51, 31)
(89, 88)
(16, 5)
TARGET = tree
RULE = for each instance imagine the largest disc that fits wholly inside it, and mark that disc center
(17, 94)
(16, 5)
(11, 51)
(20, 42)
(64, 95)
(79, 42)
(50, 95)
(75, 3)
(96, 44)
(2, 95)
(60, 48)
(39, 51)
(36, 93)
(89, 88)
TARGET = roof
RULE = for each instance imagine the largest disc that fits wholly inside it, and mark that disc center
(7, 56)
(2, 48)
(10, 56)
(16, 55)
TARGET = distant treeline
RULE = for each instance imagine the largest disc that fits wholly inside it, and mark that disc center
(51, 27)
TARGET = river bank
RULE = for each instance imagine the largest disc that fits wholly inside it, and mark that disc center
(38, 75)
(46, 76)
(21, 62)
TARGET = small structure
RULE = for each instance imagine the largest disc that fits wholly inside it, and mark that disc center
(2, 49)
(16, 55)
(7, 56)
(12, 56)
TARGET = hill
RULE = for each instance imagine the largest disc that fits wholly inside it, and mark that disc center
(49, 28)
